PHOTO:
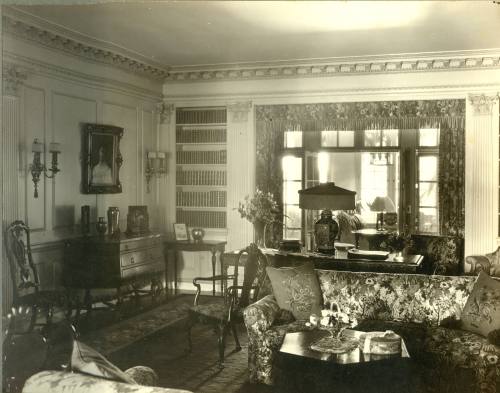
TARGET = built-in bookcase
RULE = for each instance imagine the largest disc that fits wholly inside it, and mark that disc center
(201, 172)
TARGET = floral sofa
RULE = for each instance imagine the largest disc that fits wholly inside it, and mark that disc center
(69, 382)
(445, 359)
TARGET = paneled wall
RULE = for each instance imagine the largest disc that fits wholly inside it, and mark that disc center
(52, 103)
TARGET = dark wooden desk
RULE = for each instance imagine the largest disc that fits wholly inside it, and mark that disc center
(206, 245)
(410, 263)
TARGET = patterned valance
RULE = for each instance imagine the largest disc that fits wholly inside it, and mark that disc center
(364, 115)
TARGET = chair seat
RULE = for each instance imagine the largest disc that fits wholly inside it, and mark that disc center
(216, 309)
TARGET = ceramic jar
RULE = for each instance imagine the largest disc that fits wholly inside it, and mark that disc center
(101, 226)
(113, 220)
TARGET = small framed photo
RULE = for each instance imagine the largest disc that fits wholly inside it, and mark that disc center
(101, 159)
(180, 231)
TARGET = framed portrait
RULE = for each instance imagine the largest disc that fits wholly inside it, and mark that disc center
(180, 231)
(101, 159)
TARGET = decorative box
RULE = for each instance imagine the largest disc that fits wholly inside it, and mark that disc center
(380, 343)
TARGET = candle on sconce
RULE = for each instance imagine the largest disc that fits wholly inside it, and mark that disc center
(152, 154)
(37, 147)
(161, 154)
(55, 147)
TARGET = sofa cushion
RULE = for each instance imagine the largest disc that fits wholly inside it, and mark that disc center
(86, 360)
(296, 289)
(481, 313)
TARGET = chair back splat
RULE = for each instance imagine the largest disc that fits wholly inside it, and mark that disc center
(23, 271)
(254, 273)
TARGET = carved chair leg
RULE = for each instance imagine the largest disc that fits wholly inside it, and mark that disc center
(235, 335)
(222, 329)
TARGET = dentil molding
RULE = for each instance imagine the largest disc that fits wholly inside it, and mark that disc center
(239, 111)
(12, 78)
(482, 103)
(58, 42)
(452, 62)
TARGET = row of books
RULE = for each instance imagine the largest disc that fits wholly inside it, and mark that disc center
(212, 135)
(203, 219)
(201, 157)
(202, 199)
(200, 116)
(201, 178)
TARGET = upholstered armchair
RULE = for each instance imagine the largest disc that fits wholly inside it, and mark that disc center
(489, 263)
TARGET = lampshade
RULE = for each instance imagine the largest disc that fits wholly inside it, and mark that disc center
(383, 204)
(327, 196)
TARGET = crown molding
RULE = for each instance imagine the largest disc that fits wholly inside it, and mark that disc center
(425, 62)
(37, 67)
(76, 47)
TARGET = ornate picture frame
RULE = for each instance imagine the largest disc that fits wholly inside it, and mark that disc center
(101, 159)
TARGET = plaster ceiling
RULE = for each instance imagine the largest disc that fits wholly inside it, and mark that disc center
(192, 33)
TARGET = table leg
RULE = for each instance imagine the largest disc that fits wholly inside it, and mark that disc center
(223, 283)
(214, 252)
(175, 272)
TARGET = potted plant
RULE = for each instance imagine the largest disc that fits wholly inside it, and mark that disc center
(397, 243)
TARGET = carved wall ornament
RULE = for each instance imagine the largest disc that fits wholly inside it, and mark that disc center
(166, 111)
(239, 111)
(64, 44)
(13, 77)
(482, 103)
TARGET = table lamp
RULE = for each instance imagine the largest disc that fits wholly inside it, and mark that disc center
(326, 197)
(382, 204)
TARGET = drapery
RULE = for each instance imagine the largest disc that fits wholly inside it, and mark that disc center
(449, 115)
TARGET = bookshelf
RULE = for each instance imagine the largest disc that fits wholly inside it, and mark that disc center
(201, 172)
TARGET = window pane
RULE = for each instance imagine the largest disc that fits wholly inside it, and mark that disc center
(346, 138)
(428, 168)
(372, 137)
(294, 218)
(328, 138)
(428, 137)
(390, 137)
(312, 168)
(428, 194)
(292, 191)
(292, 168)
(292, 234)
(427, 220)
(293, 138)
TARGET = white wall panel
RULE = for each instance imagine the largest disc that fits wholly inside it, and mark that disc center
(69, 115)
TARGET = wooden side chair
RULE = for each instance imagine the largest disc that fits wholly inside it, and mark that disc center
(26, 282)
(222, 313)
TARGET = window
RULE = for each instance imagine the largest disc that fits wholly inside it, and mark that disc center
(292, 183)
(370, 163)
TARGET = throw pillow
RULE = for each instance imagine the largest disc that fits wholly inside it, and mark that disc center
(481, 313)
(88, 361)
(494, 337)
(296, 289)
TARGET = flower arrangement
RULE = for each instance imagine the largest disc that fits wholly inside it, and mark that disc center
(332, 319)
(397, 242)
(261, 208)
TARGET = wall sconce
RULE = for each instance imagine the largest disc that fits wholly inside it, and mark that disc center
(156, 165)
(37, 167)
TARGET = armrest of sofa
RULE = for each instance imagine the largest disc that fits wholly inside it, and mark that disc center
(260, 315)
(68, 382)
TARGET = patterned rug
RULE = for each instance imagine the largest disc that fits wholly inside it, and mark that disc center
(116, 335)
(198, 371)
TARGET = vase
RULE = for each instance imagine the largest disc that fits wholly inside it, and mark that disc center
(101, 226)
(259, 233)
(113, 220)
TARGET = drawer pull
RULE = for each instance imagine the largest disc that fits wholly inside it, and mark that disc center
(132, 260)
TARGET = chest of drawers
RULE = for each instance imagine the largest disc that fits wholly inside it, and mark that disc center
(112, 261)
